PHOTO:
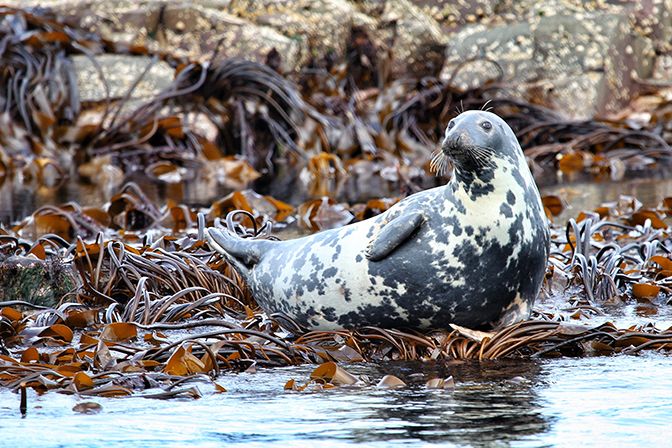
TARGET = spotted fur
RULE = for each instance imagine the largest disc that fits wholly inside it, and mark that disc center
(477, 259)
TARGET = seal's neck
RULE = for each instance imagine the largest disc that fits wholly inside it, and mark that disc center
(492, 179)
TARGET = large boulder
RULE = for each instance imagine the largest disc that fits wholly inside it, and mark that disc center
(318, 26)
(584, 61)
(196, 30)
(120, 72)
(414, 37)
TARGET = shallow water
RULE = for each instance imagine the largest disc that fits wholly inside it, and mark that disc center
(608, 401)
(582, 196)
(20, 198)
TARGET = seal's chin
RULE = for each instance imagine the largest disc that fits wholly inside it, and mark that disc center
(456, 147)
(453, 153)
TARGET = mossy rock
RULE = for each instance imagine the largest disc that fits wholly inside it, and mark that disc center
(39, 282)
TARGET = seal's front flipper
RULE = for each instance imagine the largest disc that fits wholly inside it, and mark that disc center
(393, 234)
(245, 251)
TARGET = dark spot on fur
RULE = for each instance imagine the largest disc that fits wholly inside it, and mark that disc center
(329, 314)
(505, 210)
(330, 272)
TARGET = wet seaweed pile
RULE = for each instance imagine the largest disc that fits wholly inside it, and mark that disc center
(146, 311)
(128, 296)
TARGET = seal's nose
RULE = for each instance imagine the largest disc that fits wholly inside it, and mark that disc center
(450, 142)
(455, 140)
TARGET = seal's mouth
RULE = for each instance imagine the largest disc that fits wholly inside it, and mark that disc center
(453, 146)
(459, 150)
(453, 150)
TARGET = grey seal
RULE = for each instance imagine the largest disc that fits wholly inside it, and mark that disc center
(472, 252)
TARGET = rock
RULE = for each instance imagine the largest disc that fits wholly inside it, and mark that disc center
(199, 32)
(583, 61)
(418, 42)
(510, 46)
(451, 15)
(32, 280)
(189, 29)
(120, 72)
(319, 26)
(556, 61)
(642, 34)
(584, 57)
(296, 29)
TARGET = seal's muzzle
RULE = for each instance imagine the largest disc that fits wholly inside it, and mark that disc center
(456, 145)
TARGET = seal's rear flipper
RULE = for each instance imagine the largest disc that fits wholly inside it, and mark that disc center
(393, 234)
(244, 251)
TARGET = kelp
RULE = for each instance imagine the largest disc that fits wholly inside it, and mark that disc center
(155, 308)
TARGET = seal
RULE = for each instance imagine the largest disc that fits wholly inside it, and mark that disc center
(472, 252)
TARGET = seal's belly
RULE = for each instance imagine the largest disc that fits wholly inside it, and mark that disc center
(315, 280)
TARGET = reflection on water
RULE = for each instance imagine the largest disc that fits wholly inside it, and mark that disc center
(588, 195)
(561, 402)
(19, 198)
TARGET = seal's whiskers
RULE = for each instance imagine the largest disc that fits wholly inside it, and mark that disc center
(481, 156)
(439, 163)
(485, 106)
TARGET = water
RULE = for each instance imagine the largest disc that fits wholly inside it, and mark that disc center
(20, 197)
(604, 401)
(581, 196)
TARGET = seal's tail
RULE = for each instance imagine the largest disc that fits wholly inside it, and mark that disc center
(242, 253)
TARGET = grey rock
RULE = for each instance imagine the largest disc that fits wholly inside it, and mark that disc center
(189, 29)
(419, 43)
(318, 26)
(120, 72)
(585, 62)
(458, 13)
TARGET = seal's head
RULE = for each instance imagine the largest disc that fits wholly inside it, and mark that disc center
(477, 141)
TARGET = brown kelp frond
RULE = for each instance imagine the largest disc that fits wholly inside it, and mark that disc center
(240, 79)
(106, 354)
(251, 102)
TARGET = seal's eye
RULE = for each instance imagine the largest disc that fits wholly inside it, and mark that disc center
(451, 124)
(486, 125)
